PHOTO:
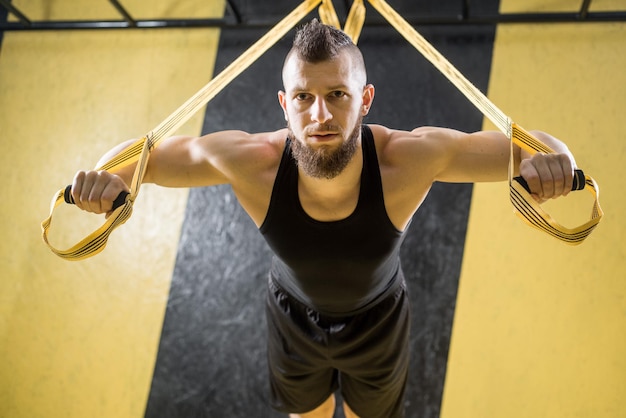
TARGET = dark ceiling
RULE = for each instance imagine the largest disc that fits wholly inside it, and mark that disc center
(255, 13)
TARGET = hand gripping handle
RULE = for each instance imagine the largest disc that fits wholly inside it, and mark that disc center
(579, 181)
(119, 200)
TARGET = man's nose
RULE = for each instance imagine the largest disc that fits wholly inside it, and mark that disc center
(320, 112)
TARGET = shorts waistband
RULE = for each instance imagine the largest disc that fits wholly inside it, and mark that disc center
(396, 284)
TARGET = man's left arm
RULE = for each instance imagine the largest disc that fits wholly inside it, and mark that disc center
(484, 156)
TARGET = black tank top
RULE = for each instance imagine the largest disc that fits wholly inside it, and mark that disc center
(337, 267)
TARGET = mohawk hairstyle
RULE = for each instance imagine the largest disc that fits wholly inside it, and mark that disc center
(316, 42)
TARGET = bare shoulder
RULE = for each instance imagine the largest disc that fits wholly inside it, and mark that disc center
(411, 161)
(248, 162)
(216, 158)
(239, 145)
(421, 146)
(409, 164)
(238, 154)
(444, 154)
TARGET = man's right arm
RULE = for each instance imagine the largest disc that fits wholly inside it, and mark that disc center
(180, 161)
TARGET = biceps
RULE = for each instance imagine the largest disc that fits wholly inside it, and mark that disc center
(182, 161)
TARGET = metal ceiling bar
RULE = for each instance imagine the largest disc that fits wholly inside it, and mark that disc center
(121, 24)
(465, 9)
(235, 11)
(127, 17)
(15, 12)
(270, 21)
(584, 9)
(597, 17)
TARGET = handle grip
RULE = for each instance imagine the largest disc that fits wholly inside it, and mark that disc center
(119, 200)
(579, 181)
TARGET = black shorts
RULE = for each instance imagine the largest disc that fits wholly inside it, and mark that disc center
(365, 355)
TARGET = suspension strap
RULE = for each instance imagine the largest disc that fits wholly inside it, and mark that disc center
(139, 151)
(525, 206)
(354, 22)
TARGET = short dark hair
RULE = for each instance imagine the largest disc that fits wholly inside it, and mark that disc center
(315, 42)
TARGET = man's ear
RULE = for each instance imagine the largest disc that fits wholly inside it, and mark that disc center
(368, 98)
(282, 99)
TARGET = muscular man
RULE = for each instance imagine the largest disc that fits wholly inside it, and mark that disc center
(333, 198)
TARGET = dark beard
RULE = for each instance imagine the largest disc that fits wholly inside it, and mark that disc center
(321, 163)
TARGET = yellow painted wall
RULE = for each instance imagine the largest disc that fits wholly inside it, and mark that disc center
(79, 339)
(540, 326)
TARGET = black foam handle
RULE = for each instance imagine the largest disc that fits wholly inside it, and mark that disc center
(119, 200)
(579, 181)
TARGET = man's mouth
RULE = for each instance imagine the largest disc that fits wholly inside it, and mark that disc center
(322, 135)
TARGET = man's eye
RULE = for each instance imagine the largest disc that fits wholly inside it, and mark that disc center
(302, 96)
(338, 94)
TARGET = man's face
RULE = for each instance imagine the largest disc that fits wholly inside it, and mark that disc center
(324, 104)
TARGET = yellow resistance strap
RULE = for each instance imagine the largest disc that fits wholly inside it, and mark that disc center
(354, 22)
(139, 151)
(526, 207)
